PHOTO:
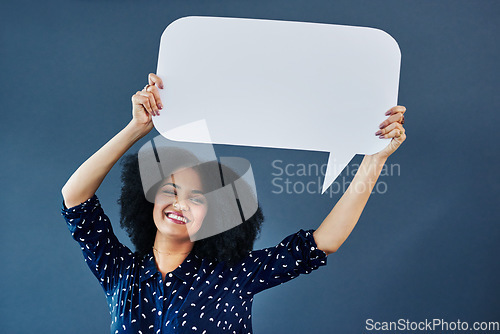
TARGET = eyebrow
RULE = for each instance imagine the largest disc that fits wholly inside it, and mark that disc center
(179, 187)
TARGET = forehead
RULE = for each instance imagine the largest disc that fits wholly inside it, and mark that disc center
(185, 178)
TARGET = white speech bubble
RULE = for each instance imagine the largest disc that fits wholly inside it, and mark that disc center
(278, 84)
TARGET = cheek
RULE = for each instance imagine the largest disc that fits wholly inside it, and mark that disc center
(161, 202)
(156, 211)
(200, 212)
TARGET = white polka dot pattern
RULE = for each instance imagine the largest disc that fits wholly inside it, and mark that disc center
(199, 296)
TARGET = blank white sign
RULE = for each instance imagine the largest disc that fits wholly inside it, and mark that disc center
(279, 84)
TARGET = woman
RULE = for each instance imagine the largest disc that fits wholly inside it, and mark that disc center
(171, 289)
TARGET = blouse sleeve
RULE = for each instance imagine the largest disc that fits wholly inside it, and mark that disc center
(296, 254)
(106, 257)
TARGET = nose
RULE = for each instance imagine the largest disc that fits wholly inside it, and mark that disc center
(180, 204)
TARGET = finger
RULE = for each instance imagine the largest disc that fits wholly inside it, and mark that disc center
(400, 137)
(152, 101)
(388, 129)
(137, 98)
(397, 133)
(145, 101)
(395, 129)
(153, 79)
(391, 119)
(156, 93)
(140, 100)
(396, 109)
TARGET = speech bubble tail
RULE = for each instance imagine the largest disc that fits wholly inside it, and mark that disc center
(335, 166)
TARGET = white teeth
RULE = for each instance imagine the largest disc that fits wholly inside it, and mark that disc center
(176, 217)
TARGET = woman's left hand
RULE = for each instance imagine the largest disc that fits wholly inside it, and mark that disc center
(393, 128)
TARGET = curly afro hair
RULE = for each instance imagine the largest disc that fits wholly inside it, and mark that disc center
(137, 212)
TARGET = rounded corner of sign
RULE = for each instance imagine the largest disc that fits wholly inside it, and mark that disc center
(394, 43)
(176, 22)
(184, 18)
(390, 39)
(385, 36)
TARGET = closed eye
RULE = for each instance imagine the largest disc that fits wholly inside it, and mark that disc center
(171, 192)
(198, 200)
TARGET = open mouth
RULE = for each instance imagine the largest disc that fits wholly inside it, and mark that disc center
(177, 218)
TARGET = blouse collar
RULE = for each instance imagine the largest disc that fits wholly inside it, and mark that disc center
(186, 271)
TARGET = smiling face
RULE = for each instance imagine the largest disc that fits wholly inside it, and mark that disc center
(180, 205)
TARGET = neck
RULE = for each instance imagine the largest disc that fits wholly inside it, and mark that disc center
(170, 253)
(169, 246)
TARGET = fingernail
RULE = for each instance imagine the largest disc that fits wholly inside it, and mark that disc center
(160, 106)
(161, 86)
(381, 126)
(387, 112)
(381, 137)
(378, 132)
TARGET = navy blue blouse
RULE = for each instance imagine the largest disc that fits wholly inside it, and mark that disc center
(199, 296)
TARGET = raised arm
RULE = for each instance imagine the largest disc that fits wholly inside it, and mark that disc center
(337, 226)
(88, 177)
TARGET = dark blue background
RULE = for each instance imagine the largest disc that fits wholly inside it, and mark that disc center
(427, 248)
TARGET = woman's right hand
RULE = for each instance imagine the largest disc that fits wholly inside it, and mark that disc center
(84, 182)
(146, 103)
